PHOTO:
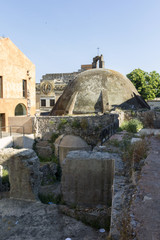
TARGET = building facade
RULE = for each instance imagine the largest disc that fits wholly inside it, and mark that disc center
(51, 87)
(17, 84)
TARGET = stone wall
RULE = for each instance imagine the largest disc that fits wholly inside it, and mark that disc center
(88, 127)
(149, 118)
(65, 77)
(155, 103)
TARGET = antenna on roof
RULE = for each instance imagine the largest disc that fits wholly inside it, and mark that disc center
(98, 51)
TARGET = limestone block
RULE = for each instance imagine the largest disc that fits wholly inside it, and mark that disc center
(67, 143)
(24, 175)
(87, 178)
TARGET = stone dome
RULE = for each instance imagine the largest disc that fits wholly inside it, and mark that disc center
(71, 141)
(98, 90)
(66, 143)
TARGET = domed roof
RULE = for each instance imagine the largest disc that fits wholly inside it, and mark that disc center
(98, 90)
(71, 141)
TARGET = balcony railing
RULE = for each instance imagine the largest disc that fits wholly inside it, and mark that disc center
(11, 131)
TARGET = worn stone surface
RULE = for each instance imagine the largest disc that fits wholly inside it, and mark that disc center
(24, 175)
(67, 143)
(122, 186)
(95, 90)
(35, 221)
(98, 217)
(87, 178)
(145, 209)
(52, 189)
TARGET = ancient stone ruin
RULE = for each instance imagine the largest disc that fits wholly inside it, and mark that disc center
(24, 175)
(98, 91)
(66, 143)
(96, 59)
(87, 178)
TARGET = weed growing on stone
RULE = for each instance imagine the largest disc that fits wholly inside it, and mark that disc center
(84, 124)
(135, 152)
(62, 123)
(51, 122)
(48, 159)
(54, 137)
(96, 129)
(115, 143)
(126, 231)
(76, 124)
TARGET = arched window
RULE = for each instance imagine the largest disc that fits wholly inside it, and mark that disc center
(20, 110)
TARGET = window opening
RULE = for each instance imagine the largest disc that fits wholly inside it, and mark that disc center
(24, 88)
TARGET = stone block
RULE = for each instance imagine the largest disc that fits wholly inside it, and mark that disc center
(24, 175)
(87, 178)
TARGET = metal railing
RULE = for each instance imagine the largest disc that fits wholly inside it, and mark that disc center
(108, 131)
(11, 130)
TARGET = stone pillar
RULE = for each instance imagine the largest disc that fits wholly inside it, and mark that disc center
(87, 178)
(24, 175)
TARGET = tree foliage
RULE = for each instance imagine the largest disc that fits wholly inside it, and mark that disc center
(147, 84)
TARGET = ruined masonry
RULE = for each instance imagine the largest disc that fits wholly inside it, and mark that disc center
(87, 178)
(24, 175)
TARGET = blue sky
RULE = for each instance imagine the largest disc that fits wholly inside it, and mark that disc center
(60, 35)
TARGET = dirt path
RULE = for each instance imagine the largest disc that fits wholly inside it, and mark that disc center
(146, 203)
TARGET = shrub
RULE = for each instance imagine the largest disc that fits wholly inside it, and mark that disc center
(133, 125)
(136, 152)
